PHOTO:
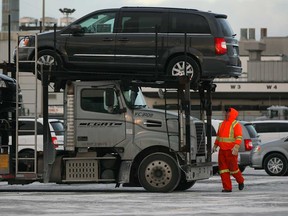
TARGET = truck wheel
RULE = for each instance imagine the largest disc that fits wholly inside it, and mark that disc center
(176, 67)
(50, 60)
(242, 168)
(276, 165)
(26, 164)
(159, 172)
(183, 184)
(215, 170)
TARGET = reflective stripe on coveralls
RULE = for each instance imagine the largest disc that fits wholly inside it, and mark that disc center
(227, 170)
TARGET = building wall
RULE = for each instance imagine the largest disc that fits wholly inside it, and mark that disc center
(10, 7)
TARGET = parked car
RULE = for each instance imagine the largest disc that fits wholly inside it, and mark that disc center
(269, 130)
(124, 41)
(250, 138)
(26, 139)
(26, 135)
(271, 156)
(7, 93)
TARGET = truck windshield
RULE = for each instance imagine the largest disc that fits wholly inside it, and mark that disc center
(134, 98)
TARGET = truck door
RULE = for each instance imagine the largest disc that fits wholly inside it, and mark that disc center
(99, 122)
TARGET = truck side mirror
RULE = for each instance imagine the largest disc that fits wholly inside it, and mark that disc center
(109, 97)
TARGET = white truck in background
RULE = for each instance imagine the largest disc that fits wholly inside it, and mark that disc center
(275, 113)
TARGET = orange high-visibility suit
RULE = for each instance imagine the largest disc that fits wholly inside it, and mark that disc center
(229, 134)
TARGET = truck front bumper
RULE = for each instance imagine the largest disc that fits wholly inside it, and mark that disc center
(198, 171)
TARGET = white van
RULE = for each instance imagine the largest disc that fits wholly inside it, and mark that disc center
(271, 129)
(26, 136)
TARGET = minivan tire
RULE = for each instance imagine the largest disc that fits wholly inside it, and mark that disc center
(176, 67)
(276, 165)
(47, 58)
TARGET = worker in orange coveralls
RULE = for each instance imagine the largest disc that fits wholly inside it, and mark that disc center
(229, 138)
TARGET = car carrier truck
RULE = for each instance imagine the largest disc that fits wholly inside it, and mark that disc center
(111, 136)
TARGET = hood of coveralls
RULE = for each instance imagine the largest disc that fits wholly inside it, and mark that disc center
(233, 114)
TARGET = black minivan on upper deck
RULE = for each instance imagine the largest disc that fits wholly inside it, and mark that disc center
(141, 41)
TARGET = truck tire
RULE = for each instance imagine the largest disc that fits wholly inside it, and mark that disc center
(183, 184)
(176, 67)
(26, 165)
(276, 165)
(215, 170)
(49, 59)
(159, 172)
(242, 168)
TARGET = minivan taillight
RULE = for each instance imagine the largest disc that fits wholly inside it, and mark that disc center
(55, 142)
(220, 46)
(248, 144)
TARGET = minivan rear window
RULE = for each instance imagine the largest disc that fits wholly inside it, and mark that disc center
(251, 130)
(58, 128)
(226, 28)
(188, 23)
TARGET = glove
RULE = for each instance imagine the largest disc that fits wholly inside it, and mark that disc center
(214, 149)
(235, 150)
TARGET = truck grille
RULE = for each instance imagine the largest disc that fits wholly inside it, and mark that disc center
(201, 146)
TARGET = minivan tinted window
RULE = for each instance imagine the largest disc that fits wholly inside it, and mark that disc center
(57, 127)
(142, 22)
(27, 128)
(226, 28)
(251, 130)
(271, 127)
(188, 23)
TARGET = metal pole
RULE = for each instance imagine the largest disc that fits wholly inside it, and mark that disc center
(9, 40)
(43, 15)
(46, 142)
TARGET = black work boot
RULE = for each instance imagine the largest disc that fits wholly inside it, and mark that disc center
(226, 191)
(241, 186)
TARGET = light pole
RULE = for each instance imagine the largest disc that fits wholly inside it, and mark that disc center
(43, 15)
(67, 11)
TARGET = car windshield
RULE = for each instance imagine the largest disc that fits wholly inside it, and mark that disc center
(58, 127)
(134, 98)
(251, 130)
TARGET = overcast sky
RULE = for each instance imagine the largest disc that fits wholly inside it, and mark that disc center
(270, 14)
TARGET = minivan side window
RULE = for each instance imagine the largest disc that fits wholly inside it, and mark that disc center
(27, 128)
(188, 23)
(99, 23)
(271, 127)
(283, 127)
(142, 22)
